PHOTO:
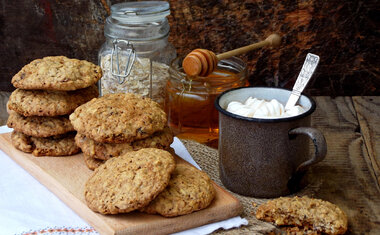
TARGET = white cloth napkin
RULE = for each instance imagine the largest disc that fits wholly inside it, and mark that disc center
(26, 206)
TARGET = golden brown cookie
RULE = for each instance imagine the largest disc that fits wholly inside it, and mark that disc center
(189, 190)
(39, 126)
(57, 73)
(22, 142)
(129, 182)
(105, 151)
(49, 103)
(118, 118)
(311, 215)
(92, 163)
(62, 145)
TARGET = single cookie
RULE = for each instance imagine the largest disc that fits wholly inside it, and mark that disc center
(57, 73)
(22, 142)
(105, 151)
(91, 162)
(129, 182)
(62, 145)
(118, 118)
(308, 214)
(39, 126)
(189, 190)
(49, 103)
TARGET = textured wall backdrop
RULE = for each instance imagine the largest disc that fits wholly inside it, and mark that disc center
(345, 34)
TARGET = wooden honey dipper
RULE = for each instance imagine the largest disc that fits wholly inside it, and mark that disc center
(202, 62)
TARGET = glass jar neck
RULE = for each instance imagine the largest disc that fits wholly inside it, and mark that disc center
(142, 48)
(137, 31)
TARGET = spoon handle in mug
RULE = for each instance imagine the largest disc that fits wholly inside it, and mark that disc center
(307, 71)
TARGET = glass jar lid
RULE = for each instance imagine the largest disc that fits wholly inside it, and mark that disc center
(140, 12)
(138, 21)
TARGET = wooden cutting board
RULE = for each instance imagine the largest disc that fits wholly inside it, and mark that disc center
(66, 176)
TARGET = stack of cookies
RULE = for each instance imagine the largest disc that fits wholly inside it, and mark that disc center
(150, 181)
(48, 91)
(124, 137)
(115, 124)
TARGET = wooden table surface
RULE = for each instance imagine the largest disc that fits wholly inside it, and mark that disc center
(349, 176)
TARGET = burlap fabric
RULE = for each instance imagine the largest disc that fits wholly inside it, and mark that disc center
(207, 159)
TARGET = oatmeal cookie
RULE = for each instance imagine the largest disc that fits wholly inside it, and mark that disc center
(311, 215)
(61, 145)
(57, 73)
(92, 163)
(49, 103)
(22, 142)
(129, 182)
(189, 190)
(118, 118)
(39, 126)
(105, 151)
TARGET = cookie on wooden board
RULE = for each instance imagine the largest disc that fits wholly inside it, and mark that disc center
(308, 214)
(62, 145)
(118, 118)
(129, 182)
(105, 151)
(49, 103)
(39, 126)
(189, 190)
(57, 73)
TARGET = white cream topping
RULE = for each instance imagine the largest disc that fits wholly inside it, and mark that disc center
(258, 108)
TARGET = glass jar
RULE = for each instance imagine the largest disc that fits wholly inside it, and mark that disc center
(136, 55)
(189, 101)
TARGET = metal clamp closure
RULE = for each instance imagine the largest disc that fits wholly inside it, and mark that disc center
(122, 48)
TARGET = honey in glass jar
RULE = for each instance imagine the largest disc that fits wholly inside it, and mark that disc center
(189, 101)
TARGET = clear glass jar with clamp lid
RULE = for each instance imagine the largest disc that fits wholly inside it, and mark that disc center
(136, 54)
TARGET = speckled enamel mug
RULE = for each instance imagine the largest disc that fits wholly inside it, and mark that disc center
(261, 157)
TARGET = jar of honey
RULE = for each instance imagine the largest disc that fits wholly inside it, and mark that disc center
(189, 101)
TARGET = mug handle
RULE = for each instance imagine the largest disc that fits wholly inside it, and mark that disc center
(319, 142)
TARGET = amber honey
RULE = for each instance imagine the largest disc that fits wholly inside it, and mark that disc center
(189, 101)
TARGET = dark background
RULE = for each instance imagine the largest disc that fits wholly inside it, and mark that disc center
(345, 34)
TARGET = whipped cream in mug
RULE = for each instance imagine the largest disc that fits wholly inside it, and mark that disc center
(257, 108)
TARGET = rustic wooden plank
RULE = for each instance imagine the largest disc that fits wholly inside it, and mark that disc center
(66, 176)
(306, 26)
(368, 112)
(75, 28)
(345, 177)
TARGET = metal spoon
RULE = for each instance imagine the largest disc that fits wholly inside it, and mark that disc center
(307, 71)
